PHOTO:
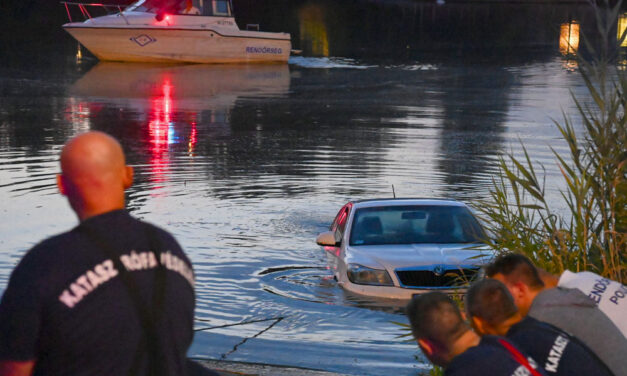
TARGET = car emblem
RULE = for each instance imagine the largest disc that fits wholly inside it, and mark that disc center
(438, 270)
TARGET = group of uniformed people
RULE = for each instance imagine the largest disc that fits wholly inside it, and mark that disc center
(521, 320)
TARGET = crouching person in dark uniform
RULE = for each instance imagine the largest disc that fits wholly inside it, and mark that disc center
(492, 311)
(113, 296)
(446, 339)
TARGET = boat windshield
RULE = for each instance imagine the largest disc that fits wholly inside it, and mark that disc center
(221, 8)
(415, 224)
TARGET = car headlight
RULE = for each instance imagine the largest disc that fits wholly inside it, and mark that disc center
(366, 276)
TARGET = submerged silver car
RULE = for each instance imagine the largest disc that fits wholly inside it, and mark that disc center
(394, 248)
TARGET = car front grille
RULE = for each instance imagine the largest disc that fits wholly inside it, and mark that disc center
(430, 279)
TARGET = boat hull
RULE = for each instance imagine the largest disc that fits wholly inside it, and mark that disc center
(167, 45)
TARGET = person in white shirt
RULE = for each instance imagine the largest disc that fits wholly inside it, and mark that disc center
(610, 296)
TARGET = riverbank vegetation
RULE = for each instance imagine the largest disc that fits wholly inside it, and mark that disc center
(591, 234)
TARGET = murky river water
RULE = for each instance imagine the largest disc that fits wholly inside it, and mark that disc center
(246, 164)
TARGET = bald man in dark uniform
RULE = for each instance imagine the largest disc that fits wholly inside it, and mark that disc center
(113, 296)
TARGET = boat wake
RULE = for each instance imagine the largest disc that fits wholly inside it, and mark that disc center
(327, 62)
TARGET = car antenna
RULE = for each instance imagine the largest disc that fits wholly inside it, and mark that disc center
(393, 192)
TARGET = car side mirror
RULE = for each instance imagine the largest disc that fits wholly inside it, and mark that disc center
(327, 239)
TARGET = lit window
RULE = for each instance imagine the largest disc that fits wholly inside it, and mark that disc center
(569, 38)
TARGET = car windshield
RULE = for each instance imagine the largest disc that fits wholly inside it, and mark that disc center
(415, 224)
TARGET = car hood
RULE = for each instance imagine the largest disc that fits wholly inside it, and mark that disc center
(419, 255)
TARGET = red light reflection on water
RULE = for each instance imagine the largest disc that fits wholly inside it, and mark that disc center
(159, 130)
(192, 139)
(163, 131)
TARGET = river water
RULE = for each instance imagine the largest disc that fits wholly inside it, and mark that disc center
(246, 164)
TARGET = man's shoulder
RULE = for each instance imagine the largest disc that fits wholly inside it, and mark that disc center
(49, 249)
(157, 230)
(528, 323)
(121, 220)
(37, 267)
(531, 323)
(477, 359)
(160, 233)
(490, 357)
(166, 239)
(571, 279)
(560, 296)
(567, 309)
(535, 336)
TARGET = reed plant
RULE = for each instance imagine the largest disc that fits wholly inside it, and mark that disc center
(588, 229)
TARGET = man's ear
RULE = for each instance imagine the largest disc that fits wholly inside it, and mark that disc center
(128, 176)
(519, 290)
(61, 184)
(425, 346)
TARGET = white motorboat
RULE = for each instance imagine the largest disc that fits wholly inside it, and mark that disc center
(186, 31)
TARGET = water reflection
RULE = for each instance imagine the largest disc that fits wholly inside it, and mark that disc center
(473, 125)
(162, 90)
(166, 104)
(161, 130)
(78, 114)
(313, 32)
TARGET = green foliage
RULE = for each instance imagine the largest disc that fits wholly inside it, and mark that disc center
(591, 235)
(436, 371)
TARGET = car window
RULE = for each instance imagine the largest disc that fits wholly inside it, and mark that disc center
(415, 224)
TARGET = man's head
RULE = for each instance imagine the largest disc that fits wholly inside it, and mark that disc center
(94, 174)
(520, 276)
(490, 307)
(436, 324)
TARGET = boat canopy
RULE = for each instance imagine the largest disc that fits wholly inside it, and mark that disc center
(219, 8)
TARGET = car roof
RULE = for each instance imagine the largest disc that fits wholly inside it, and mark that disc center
(405, 201)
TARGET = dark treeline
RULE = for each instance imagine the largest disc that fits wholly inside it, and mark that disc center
(355, 28)
(31, 29)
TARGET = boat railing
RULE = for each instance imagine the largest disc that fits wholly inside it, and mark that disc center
(109, 8)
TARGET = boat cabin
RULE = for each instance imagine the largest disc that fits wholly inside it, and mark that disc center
(217, 8)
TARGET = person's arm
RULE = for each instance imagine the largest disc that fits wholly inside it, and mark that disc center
(16, 368)
(20, 320)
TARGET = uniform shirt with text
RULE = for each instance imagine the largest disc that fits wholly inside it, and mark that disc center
(557, 352)
(489, 358)
(67, 308)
